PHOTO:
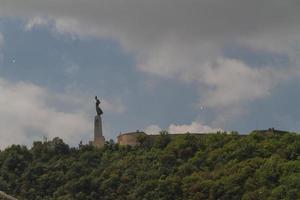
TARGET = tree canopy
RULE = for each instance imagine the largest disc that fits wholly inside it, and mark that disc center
(187, 167)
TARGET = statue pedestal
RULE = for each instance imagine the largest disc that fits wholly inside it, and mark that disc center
(99, 139)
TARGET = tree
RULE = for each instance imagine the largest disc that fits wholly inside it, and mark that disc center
(163, 140)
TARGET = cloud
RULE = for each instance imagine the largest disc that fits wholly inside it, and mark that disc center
(36, 22)
(194, 19)
(184, 40)
(114, 105)
(194, 127)
(28, 112)
(152, 130)
(241, 83)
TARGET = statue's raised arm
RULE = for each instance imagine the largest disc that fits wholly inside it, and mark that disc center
(98, 109)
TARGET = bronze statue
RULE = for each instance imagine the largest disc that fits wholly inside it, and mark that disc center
(98, 109)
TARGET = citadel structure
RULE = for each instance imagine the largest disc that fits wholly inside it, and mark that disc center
(132, 138)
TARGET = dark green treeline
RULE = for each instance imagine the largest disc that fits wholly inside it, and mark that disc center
(215, 166)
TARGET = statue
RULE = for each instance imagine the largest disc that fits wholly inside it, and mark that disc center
(99, 139)
(98, 109)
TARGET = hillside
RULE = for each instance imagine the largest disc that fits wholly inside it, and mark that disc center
(261, 165)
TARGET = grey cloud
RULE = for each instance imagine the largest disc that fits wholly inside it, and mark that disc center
(182, 39)
(147, 20)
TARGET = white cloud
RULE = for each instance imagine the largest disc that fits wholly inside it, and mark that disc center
(28, 112)
(184, 39)
(194, 127)
(234, 82)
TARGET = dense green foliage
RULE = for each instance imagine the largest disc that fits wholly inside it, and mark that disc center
(214, 166)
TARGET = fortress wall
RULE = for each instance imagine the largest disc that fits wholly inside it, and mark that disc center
(129, 138)
(132, 138)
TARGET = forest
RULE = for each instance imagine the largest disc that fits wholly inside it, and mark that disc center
(260, 165)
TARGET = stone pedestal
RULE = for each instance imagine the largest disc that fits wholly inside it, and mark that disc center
(99, 139)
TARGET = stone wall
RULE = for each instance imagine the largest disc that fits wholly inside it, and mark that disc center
(129, 138)
(132, 137)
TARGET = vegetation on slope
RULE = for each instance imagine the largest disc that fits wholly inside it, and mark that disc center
(215, 166)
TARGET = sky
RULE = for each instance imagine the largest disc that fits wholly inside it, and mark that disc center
(180, 66)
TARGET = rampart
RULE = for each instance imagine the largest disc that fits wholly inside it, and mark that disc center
(131, 138)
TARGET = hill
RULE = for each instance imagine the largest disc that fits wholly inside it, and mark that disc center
(261, 165)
